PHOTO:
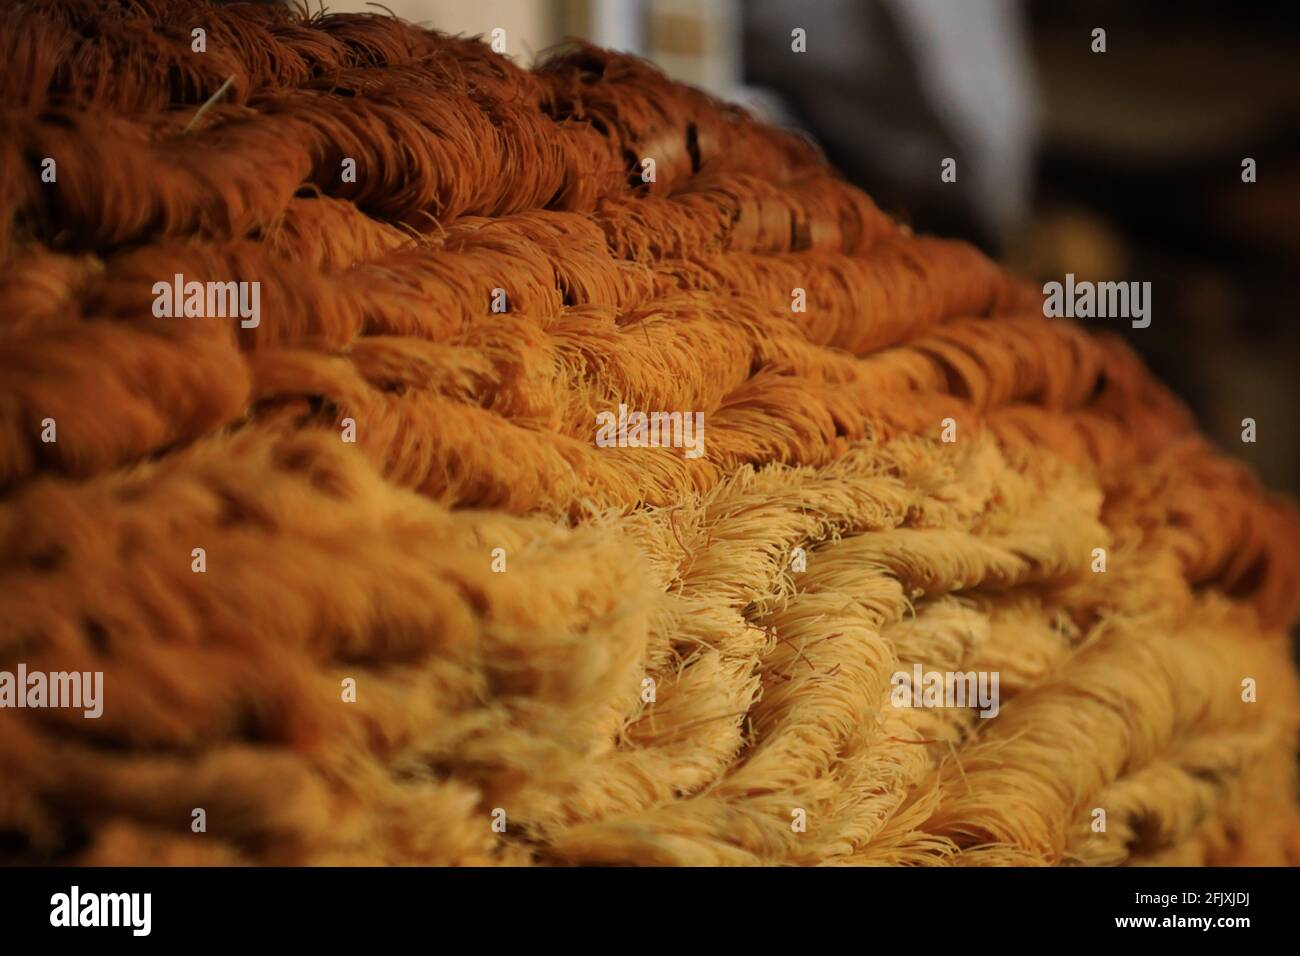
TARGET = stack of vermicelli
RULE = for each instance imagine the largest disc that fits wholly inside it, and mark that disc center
(614, 654)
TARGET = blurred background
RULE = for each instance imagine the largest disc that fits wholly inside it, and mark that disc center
(1121, 165)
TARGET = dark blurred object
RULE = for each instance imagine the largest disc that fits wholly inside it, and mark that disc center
(891, 88)
(1141, 179)
(1138, 177)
